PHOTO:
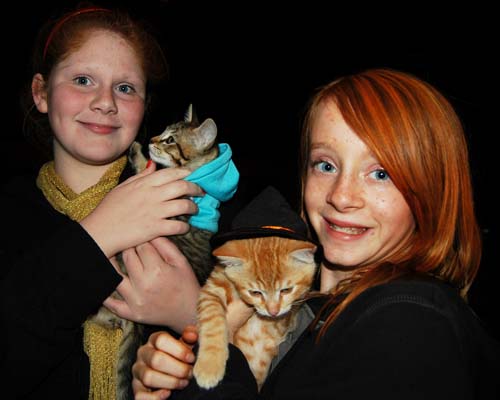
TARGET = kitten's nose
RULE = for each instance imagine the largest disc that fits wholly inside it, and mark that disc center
(273, 309)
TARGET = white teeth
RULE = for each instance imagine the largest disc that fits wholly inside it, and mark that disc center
(348, 230)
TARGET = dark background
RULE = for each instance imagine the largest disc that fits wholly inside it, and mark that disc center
(251, 66)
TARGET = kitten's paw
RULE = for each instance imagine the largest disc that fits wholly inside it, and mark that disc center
(135, 148)
(107, 319)
(136, 158)
(209, 368)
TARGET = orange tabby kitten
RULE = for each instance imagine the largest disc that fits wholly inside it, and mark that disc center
(272, 274)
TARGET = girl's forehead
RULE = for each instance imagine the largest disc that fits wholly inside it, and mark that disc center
(99, 45)
(328, 109)
(97, 38)
(329, 131)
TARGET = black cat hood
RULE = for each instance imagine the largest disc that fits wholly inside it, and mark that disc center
(268, 214)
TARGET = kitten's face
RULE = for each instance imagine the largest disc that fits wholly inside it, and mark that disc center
(270, 273)
(184, 145)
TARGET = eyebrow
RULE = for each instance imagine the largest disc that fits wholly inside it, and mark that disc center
(315, 145)
(327, 145)
(321, 147)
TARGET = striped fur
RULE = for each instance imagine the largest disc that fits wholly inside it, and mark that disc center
(181, 144)
(273, 275)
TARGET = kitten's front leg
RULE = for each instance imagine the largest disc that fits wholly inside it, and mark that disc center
(136, 158)
(107, 319)
(213, 350)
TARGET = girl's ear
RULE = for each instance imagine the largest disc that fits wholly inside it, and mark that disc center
(39, 93)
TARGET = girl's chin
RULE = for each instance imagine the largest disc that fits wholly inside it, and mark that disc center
(97, 162)
(348, 261)
(100, 159)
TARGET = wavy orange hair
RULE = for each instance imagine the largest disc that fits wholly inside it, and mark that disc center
(418, 138)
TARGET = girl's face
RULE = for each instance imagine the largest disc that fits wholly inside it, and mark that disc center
(360, 217)
(95, 100)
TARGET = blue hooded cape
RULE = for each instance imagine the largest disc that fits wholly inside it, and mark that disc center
(219, 179)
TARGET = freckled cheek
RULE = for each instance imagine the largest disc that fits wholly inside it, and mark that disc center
(63, 102)
(314, 203)
(383, 205)
(133, 114)
(385, 208)
(395, 212)
(311, 195)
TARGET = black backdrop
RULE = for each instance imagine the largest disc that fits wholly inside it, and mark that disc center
(251, 66)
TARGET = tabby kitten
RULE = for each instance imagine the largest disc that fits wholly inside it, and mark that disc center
(190, 145)
(181, 144)
(272, 274)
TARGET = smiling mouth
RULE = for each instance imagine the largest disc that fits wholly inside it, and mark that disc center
(99, 128)
(347, 229)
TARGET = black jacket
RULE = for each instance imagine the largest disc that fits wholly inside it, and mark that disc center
(409, 339)
(52, 276)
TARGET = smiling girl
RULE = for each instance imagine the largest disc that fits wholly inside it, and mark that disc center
(386, 189)
(93, 72)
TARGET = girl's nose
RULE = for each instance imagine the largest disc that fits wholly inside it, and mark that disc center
(104, 101)
(346, 193)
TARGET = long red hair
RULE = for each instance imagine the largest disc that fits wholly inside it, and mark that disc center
(418, 138)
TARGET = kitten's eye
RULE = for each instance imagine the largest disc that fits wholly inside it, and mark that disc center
(286, 290)
(255, 293)
(169, 140)
(380, 175)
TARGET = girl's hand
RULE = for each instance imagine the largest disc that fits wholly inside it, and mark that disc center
(163, 364)
(138, 210)
(160, 289)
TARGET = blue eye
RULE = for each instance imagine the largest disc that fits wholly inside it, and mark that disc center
(324, 166)
(127, 89)
(380, 175)
(82, 80)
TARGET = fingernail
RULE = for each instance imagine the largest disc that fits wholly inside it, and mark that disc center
(190, 358)
(164, 394)
(183, 383)
(149, 163)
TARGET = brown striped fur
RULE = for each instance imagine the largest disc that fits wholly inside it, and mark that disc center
(273, 275)
(186, 144)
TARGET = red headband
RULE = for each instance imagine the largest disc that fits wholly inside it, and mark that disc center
(58, 25)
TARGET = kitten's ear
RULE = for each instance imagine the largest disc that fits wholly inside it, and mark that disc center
(205, 134)
(230, 248)
(305, 256)
(190, 115)
(227, 261)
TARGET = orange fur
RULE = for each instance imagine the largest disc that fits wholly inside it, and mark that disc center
(272, 274)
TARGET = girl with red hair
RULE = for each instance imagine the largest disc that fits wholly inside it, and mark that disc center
(386, 189)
